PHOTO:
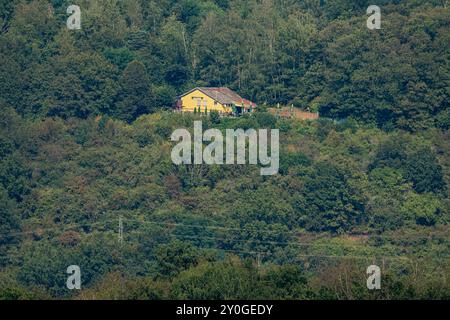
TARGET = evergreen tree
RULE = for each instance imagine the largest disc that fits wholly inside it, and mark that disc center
(134, 96)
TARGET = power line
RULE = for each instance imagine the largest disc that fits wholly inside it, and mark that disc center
(304, 255)
(203, 226)
(312, 255)
(72, 226)
(167, 223)
(58, 228)
(240, 229)
(201, 237)
(192, 225)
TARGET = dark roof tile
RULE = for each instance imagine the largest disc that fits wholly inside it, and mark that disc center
(224, 95)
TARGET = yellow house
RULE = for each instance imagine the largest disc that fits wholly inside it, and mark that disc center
(221, 99)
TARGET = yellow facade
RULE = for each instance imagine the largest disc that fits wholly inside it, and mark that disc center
(197, 98)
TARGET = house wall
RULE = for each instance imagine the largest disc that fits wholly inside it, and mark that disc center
(189, 103)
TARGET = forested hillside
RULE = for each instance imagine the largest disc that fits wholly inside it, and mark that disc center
(85, 125)
(132, 57)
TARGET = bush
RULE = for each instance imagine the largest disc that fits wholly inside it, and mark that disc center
(214, 116)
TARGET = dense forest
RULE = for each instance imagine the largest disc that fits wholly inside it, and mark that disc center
(85, 125)
(132, 57)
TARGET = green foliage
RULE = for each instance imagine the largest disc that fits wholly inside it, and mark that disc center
(265, 119)
(214, 117)
(6, 147)
(423, 170)
(330, 203)
(419, 165)
(133, 98)
(335, 180)
(316, 56)
(292, 160)
(175, 257)
(120, 57)
(425, 209)
(45, 264)
(15, 176)
(83, 140)
(9, 220)
(216, 281)
(163, 96)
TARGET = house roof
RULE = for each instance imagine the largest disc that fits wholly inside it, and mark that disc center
(224, 96)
